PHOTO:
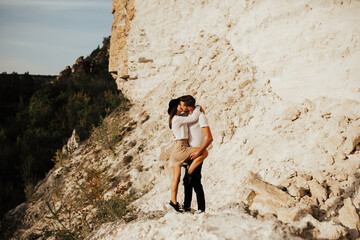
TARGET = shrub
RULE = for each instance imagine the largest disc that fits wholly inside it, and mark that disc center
(29, 191)
(114, 209)
(108, 134)
(59, 158)
(75, 218)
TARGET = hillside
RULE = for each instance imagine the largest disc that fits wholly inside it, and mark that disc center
(40, 113)
(280, 86)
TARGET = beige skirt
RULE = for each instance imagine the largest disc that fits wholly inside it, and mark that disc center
(180, 153)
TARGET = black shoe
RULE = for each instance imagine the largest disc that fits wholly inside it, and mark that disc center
(175, 206)
(185, 209)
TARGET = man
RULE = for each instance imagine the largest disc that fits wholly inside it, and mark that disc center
(199, 136)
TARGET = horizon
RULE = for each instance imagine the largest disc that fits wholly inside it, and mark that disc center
(42, 37)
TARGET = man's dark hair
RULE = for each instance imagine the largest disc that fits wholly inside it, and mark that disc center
(188, 100)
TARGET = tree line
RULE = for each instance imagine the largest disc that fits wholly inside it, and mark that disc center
(37, 118)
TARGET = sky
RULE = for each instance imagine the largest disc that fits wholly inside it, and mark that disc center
(45, 36)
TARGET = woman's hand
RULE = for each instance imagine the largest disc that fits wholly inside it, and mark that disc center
(195, 155)
(201, 109)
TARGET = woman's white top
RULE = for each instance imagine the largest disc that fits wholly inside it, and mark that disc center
(180, 124)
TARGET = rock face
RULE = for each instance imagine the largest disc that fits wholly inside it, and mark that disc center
(86, 65)
(65, 73)
(78, 70)
(124, 12)
(348, 217)
(304, 48)
(280, 85)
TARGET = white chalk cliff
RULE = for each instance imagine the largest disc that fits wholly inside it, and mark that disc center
(280, 82)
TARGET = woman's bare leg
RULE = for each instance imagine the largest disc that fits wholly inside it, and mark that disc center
(197, 161)
(175, 183)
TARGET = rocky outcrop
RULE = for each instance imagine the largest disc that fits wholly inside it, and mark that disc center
(64, 74)
(325, 214)
(349, 217)
(84, 66)
(78, 70)
(124, 12)
(72, 144)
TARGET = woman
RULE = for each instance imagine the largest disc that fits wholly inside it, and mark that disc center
(181, 150)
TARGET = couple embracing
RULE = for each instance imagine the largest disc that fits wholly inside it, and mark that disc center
(192, 136)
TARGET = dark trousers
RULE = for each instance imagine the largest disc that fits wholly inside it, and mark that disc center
(198, 188)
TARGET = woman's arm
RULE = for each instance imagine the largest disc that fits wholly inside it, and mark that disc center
(189, 119)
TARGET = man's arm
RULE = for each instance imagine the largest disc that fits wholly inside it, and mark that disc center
(207, 142)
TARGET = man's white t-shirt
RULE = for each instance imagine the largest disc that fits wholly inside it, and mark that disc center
(196, 134)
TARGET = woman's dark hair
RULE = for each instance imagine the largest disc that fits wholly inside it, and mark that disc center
(173, 104)
(189, 101)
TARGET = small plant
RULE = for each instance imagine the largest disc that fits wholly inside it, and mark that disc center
(112, 129)
(75, 218)
(94, 186)
(115, 208)
(64, 232)
(107, 134)
(109, 210)
(59, 158)
(29, 191)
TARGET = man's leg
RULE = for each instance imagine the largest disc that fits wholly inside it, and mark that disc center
(187, 191)
(196, 184)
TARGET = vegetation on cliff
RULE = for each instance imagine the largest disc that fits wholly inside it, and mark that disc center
(37, 118)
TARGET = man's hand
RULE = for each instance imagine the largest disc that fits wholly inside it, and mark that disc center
(195, 155)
